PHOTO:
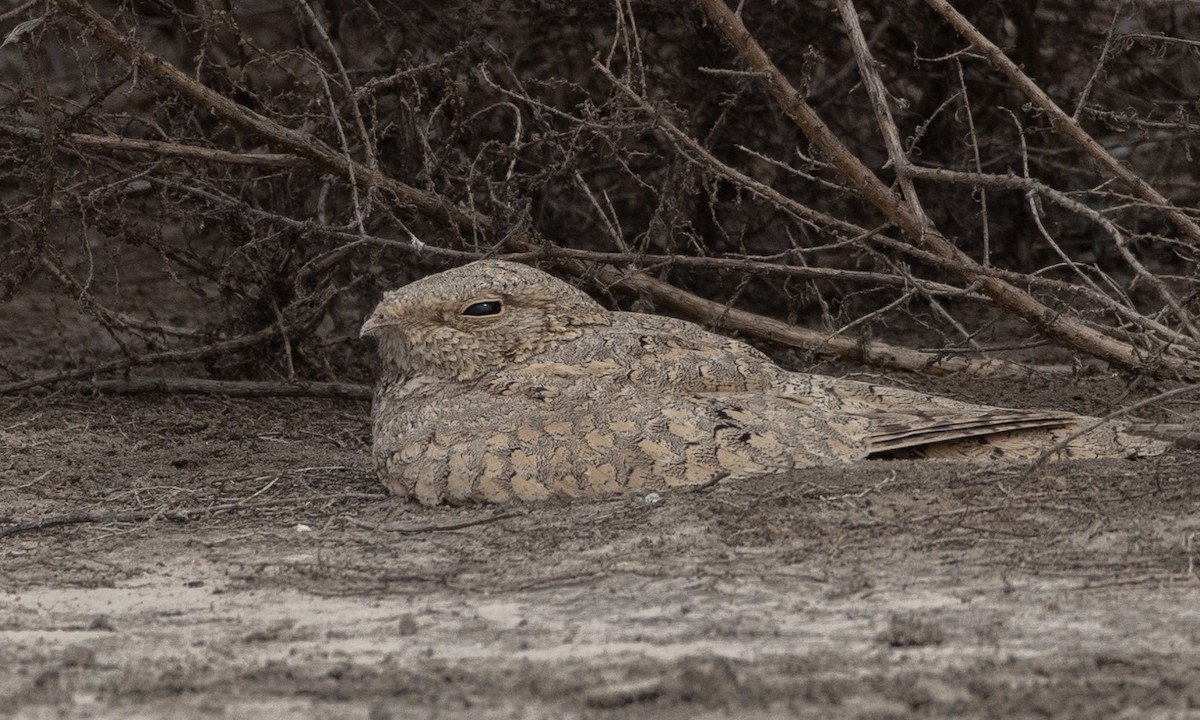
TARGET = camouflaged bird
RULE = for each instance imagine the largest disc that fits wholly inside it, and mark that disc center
(502, 383)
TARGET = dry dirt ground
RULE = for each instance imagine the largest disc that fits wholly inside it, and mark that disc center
(201, 557)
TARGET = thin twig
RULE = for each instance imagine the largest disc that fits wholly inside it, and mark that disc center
(203, 386)
(883, 114)
(700, 155)
(243, 117)
(368, 145)
(167, 356)
(182, 515)
(116, 143)
(1061, 121)
(1030, 185)
(1119, 412)
(437, 207)
(421, 529)
(1065, 329)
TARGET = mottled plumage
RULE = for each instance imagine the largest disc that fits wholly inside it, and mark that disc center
(500, 382)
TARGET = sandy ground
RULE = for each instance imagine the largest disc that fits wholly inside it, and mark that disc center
(199, 557)
(209, 557)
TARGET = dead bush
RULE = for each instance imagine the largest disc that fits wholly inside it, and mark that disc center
(892, 183)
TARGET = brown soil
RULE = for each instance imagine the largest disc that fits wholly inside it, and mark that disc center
(198, 557)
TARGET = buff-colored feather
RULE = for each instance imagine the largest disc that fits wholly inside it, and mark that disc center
(502, 383)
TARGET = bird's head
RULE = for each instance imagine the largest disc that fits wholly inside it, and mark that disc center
(464, 323)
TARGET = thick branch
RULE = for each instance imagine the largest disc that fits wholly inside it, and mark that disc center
(1061, 121)
(871, 353)
(1061, 328)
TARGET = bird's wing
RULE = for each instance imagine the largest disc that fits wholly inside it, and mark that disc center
(669, 354)
(859, 397)
(534, 433)
(947, 428)
(895, 431)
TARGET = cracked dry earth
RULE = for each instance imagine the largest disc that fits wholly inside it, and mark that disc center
(217, 557)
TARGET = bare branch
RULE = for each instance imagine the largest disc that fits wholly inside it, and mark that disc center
(1063, 122)
(166, 149)
(204, 386)
(1059, 326)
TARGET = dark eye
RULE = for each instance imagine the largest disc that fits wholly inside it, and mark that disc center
(479, 309)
